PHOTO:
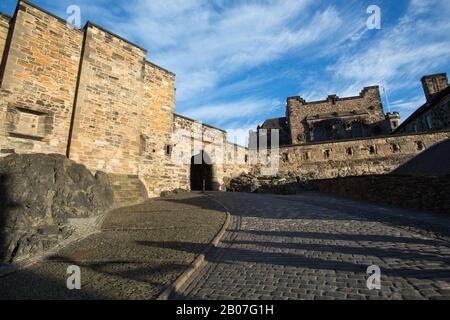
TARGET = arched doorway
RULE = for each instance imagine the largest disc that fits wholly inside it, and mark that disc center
(201, 172)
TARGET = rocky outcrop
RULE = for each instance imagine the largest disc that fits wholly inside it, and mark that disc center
(253, 183)
(38, 194)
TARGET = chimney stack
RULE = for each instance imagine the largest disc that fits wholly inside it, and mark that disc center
(433, 84)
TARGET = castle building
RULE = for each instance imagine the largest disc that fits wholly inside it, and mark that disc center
(93, 96)
(333, 119)
(434, 115)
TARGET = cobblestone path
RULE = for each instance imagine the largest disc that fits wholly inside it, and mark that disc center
(312, 246)
(135, 256)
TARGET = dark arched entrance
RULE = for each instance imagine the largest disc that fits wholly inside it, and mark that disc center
(201, 172)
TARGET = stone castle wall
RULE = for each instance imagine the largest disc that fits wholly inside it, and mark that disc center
(109, 104)
(39, 83)
(301, 115)
(4, 29)
(93, 96)
(435, 118)
(356, 157)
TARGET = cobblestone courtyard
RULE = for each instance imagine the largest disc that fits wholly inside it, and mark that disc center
(317, 247)
(307, 246)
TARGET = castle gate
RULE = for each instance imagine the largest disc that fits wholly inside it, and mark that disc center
(201, 172)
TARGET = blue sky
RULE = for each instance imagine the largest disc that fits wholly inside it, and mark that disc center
(237, 61)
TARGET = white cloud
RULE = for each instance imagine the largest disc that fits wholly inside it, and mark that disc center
(400, 55)
(225, 113)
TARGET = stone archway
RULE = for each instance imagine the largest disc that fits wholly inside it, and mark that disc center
(201, 172)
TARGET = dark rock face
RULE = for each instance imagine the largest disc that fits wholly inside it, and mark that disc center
(253, 183)
(38, 193)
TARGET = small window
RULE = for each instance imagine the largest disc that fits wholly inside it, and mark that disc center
(395, 148)
(306, 156)
(429, 122)
(246, 158)
(395, 124)
(168, 150)
(327, 154)
(285, 157)
(350, 151)
(372, 150)
(420, 146)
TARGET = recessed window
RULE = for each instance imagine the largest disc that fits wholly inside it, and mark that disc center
(285, 157)
(246, 158)
(327, 154)
(420, 146)
(429, 122)
(350, 151)
(168, 150)
(395, 147)
(306, 156)
(372, 150)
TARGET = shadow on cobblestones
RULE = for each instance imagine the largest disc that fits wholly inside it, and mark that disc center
(344, 237)
(260, 254)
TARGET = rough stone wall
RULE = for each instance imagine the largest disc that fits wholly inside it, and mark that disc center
(106, 129)
(236, 161)
(156, 168)
(39, 81)
(368, 104)
(4, 29)
(355, 157)
(438, 116)
(190, 138)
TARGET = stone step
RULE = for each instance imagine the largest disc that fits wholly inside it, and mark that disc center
(128, 189)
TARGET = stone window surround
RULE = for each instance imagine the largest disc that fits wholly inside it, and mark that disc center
(45, 121)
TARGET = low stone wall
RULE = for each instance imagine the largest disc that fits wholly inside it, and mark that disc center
(419, 193)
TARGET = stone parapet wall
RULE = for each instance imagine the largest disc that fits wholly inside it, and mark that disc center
(377, 155)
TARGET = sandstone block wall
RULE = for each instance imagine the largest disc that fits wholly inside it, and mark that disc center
(107, 121)
(39, 82)
(91, 95)
(357, 157)
(156, 168)
(436, 117)
(366, 106)
(4, 29)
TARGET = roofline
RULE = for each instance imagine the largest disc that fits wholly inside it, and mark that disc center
(337, 97)
(161, 68)
(422, 109)
(5, 15)
(203, 124)
(90, 23)
(434, 75)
